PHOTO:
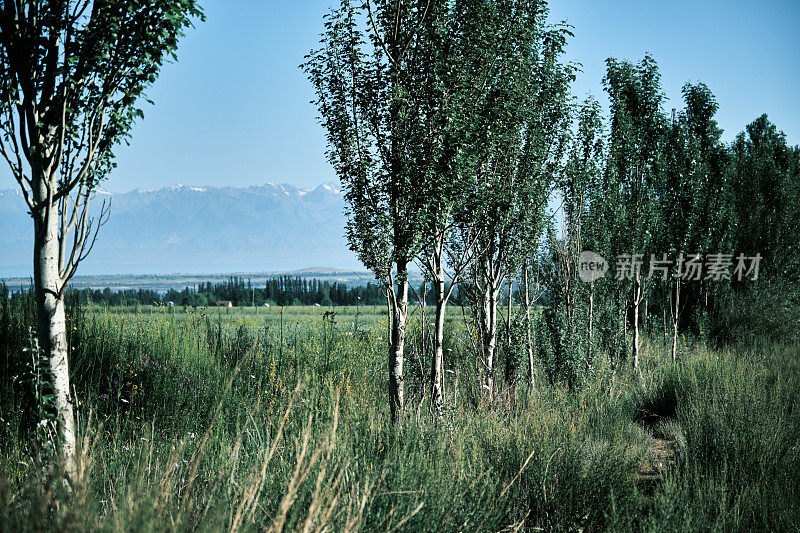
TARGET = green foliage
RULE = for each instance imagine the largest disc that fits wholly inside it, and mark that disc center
(367, 74)
(72, 74)
(522, 133)
(197, 419)
(766, 309)
(636, 140)
(280, 290)
(81, 69)
(567, 348)
(766, 196)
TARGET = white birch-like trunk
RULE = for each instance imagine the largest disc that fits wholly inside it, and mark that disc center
(437, 369)
(591, 318)
(52, 328)
(675, 310)
(489, 339)
(637, 298)
(397, 348)
(624, 319)
(531, 368)
(508, 323)
(644, 313)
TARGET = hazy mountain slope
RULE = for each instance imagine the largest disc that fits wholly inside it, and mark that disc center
(198, 229)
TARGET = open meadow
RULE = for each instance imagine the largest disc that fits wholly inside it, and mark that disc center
(212, 419)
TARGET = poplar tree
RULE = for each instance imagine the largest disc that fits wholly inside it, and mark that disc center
(376, 99)
(569, 315)
(520, 140)
(72, 73)
(480, 46)
(694, 198)
(765, 185)
(637, 134)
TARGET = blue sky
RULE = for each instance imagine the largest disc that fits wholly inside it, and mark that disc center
(234, 109)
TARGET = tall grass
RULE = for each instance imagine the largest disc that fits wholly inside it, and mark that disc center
(736, 414)
(191, 421)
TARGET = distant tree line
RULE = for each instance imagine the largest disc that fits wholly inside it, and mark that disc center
(283, 290)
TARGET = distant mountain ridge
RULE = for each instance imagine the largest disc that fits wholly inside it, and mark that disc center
(271, 227)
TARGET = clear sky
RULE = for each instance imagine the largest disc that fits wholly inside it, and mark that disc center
(234, 109)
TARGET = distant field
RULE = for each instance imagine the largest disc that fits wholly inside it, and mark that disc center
(237, 312)
(342, 318)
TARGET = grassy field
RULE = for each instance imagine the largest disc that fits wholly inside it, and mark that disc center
(232, 419)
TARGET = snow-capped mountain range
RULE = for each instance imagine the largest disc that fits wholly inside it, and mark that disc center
(198, 229)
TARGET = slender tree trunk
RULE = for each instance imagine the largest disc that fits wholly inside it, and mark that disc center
(675, 310)
(568, 303)
(508, 313)
(437, 397)
(591, 317)
(624, 316)
(509, 362)
(490, 338)
(644, 315)
(637, 298)
(52, 328)
(423, 301)
(396, 350)
(528, 330)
